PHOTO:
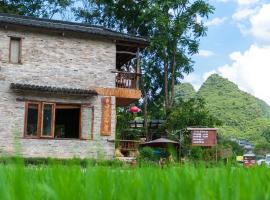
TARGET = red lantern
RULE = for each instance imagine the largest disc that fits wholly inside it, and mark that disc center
(134, 109)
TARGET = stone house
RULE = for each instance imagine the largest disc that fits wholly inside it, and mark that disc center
(60, 83)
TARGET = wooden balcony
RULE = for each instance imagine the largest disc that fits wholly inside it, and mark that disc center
(128, 80)
(126, 88)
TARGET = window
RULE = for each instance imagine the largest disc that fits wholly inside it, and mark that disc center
(15, 50)
(47, 120)
(67, 121)
(50, 120)
(32, 120)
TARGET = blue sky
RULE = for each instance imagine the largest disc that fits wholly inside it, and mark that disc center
(237, 46)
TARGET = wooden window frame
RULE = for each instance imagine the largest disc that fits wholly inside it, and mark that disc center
(41, 105)
(92, 122)
(20, 49)
(70, 106)
(26, 118)
(52, 120)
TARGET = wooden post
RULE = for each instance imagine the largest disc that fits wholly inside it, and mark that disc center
(138, 68)
(179, 150)
(216, 155)
(145, 116)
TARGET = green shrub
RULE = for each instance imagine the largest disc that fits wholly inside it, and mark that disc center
(55, 161)
(147, 153)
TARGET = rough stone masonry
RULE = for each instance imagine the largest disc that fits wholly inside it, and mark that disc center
(54, 60)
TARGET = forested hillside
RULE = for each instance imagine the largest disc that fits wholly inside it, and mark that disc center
(243, 115)
(184, 91)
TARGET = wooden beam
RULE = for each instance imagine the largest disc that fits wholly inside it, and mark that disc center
(121, 102)
(67, 106)
(120, 92)
(138, 67)
(124, 72)
(130, 44)
(126, 52)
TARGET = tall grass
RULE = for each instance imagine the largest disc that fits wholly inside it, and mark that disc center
(58, 181)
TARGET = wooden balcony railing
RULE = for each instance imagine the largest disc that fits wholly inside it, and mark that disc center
(128, 80)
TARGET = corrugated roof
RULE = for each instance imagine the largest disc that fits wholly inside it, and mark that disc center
(50, 89)
(70, 26)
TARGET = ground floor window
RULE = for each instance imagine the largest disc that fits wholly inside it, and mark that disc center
(51, 120)
(48, 115)
(67, 123)
(32, 119)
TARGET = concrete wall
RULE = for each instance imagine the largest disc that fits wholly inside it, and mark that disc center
(54, 60)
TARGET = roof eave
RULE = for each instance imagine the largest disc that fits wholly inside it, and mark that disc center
(62, 26)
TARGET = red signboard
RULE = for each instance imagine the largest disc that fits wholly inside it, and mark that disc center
(203, 137)
(249, 160)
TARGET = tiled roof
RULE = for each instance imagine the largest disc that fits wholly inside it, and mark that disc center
(71, 26)
(54, 90)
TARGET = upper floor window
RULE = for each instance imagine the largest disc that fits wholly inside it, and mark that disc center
(15, 50)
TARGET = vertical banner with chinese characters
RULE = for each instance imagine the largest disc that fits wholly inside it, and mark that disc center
(106, 117)
(203, 136)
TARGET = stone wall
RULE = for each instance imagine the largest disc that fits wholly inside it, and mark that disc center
(54, 60)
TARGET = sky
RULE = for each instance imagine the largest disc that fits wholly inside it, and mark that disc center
(237, 46)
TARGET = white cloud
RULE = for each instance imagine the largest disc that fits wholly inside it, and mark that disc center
(254, 20)
(250, 70)
(243, 13)
(223, 1)
(220, 1)
(260, 24)
(247, 2)
(205, 53)
(216, 21)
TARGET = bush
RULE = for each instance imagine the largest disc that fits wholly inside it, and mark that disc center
(262, 149)
(154, 155)
(147, 153)
(55, 161)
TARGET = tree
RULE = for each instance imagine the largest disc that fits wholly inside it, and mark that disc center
(35, 8)
(266, 134)
(174, 32)
(262, 148)
(190, 113)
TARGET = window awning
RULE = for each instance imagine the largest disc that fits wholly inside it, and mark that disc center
(52, 90)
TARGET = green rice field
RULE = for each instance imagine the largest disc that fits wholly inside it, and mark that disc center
(59, 181)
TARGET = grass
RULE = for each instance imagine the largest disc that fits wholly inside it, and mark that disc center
(71, 181)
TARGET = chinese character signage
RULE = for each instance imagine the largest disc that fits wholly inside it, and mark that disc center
(203, 137)
(106, 116)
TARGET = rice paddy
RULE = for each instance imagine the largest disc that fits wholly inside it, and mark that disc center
(71, 181)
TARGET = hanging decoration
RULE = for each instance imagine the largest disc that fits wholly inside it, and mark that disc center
(134, 109)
